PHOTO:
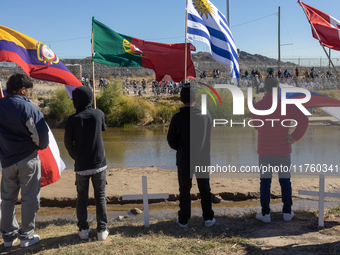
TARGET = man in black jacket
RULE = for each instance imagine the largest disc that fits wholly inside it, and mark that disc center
(189, 134)
(84, 143)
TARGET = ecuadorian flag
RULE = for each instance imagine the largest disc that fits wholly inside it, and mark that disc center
(34, 57)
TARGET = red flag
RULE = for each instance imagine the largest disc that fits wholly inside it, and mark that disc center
(325, 25)
(51, 163)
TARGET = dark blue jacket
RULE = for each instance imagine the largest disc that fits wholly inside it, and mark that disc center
(22, 129)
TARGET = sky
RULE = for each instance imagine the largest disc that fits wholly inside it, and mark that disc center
(65, 26)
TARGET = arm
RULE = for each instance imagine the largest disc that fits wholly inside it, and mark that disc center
(39, 130)
(69, 139)
(103, 123)
(302, 124)
(173, 135)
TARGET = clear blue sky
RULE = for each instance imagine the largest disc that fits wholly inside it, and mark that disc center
(65, 26)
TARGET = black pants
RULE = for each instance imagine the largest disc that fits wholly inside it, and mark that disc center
(98, 182)
(185, 184)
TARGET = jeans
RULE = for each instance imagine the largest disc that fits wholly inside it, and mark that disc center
(24, 175)
(185, 184)
(98, 182)
(284, 179)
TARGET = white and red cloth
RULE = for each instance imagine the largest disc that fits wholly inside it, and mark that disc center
(327, 27)
(51, 163)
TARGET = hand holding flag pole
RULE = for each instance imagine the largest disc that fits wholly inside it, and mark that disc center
(317, 35)
(2, 93)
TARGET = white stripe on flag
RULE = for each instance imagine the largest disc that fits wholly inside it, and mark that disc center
(212, 28)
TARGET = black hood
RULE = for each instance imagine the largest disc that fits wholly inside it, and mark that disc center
(193, 110)
(82, 98)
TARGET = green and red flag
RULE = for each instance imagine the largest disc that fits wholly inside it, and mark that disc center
(116, 49)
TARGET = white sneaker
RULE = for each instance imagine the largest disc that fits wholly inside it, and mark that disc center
(101, 236)
(11, 243)
(209, 223)
(265, 218)
(181, 225)
(288, 216)
(29, 242)
(83, 234)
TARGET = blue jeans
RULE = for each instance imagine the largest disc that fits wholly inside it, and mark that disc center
(98, 182)
(284, 179)
(24, 175)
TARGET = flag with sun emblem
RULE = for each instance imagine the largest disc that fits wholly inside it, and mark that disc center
(116, 49)
(34, 57)
(207, 24)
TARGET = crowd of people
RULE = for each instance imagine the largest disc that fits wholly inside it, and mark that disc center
(189, 134)
(165, 87)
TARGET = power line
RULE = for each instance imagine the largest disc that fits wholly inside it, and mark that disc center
(72, 39)
(255, 20)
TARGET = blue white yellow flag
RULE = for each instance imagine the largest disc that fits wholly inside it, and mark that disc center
(207, 24)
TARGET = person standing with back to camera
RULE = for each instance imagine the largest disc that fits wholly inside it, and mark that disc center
(23, 132)
(274, 148)
(84, 143)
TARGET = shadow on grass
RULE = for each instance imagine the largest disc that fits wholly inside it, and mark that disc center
(244, 233)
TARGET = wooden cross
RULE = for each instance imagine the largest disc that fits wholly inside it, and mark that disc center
(321, 194)
(145, 197)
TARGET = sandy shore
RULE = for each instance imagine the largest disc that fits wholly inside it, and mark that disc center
(123, 181)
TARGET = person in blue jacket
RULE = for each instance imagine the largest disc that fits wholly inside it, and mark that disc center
(23, 132)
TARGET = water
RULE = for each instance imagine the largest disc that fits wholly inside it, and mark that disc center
(237, 147)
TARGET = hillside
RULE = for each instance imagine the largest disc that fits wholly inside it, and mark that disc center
(203, 62)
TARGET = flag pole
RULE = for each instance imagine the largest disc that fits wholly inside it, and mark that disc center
(93, 80)
(2, 93)
(186, 50)
(317, 35)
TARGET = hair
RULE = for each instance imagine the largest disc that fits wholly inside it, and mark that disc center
(18, 81)
(270, 83)
(188, 94)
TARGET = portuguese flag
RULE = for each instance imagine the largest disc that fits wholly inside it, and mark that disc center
(115, 49)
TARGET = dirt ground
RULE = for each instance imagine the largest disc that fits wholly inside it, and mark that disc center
(124, 181)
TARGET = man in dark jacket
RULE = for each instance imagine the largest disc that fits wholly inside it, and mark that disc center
(23, 132)
(84, 143)
(189, 134)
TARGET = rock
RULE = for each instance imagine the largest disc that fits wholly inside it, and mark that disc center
(217, 199)
(136, 211)
(121, 217)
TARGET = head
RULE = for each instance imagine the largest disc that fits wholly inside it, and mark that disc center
(19, 84)
(270, 83)
(82, 98)
(188, 94)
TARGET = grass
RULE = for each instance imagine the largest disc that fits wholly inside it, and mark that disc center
(229, 235)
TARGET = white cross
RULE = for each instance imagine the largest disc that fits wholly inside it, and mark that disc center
(145, 196)
(321, 194)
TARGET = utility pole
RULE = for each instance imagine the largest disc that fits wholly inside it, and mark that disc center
(228, 12)
(279, 46)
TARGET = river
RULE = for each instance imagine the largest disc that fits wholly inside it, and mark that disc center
(136, 147)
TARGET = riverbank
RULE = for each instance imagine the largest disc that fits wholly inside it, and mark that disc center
(124, 181)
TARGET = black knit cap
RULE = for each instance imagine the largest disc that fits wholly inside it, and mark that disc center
(188, 93)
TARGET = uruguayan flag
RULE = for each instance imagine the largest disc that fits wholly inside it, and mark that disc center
(207, 24)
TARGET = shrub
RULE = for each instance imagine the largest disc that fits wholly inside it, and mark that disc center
(130, 111)
(165, 110)
(224, 111)
(61, 106)
(108, 100)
